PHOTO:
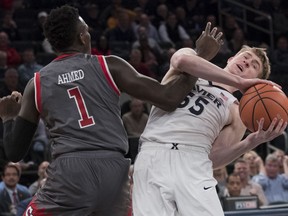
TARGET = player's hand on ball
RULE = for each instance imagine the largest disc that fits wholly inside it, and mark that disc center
(247, 83)
(275, 129)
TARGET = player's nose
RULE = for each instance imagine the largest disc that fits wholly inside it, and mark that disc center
(246, 63)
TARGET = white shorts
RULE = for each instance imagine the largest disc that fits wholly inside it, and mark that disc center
(174, 181)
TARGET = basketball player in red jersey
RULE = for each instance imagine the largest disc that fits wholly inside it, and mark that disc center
(77, 96)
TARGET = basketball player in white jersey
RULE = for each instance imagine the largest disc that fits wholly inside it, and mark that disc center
(173, 170)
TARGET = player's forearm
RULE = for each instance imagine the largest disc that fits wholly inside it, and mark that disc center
(224, 155)
(201, 68)
(17, 137)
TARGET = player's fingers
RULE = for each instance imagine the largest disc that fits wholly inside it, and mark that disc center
(260, 124)
(272, 125)
(218, 36)
(221, 42)
(269, 82)
(279, 126)
(284, 126)
(17, 96)
(213, 32)
(207, 28)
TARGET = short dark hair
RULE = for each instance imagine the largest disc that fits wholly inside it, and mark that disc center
(12, 165)
(60, 28)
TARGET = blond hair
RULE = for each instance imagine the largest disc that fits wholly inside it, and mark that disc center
(261, 53)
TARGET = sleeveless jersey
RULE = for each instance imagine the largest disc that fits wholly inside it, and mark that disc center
(79, 102)
(197, 121)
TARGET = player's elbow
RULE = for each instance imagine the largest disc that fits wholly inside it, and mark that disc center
(183, 58)
(177, 61)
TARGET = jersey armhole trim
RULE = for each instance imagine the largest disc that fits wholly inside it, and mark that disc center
(107, 73)
(37, 91)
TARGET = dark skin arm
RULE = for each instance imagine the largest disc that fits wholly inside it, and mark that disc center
(24, 126)
(166, 97)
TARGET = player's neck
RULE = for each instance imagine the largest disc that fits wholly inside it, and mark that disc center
(231, 89)
(68, 51)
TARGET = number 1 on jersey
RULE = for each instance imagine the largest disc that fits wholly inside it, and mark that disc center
(85, 120)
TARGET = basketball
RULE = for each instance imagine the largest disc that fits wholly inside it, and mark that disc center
(262, 101)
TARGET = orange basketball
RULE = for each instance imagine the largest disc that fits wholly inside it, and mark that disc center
(263, 101)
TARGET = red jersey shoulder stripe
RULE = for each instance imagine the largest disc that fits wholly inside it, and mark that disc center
(107, 73)
(37, 87)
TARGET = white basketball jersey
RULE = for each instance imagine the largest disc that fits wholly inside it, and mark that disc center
(197, 121)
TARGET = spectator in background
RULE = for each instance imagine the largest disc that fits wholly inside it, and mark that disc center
(39, 144)
(10, 27)
(102, 46)
(29, 66)
(186, 23)
(11, 82)
(280, 155)
(148, 7)
(141, 67)
(279, 56)
(237, 41)
(195, 10)
(221, 177)
(91, 16)
(258, 20)
(38, 34)
(233, 186)
(37, 28)
(278, 12)
(135, 120)
(19, 186)
(3, 64)
(123, 32)
(11, 195)
(161, 15)
(149, 49)
(248, 187)
(251, 158)
(172, 32)
(42, 174)
(230, 25)
(151, 30)
(274, 184)
(224, 53)
(109, 12)
(142, 35)
(165, 62)
(13, 57)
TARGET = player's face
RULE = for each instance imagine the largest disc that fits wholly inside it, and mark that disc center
(85, 36)
(246, 65)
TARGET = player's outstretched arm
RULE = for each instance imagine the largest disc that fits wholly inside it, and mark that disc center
(166, 97)
(228, 147)
(19, 133)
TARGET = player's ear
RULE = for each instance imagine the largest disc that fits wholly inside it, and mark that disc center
(229, 59)
(81, 37)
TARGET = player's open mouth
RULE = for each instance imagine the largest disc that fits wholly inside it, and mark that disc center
(240, 67)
